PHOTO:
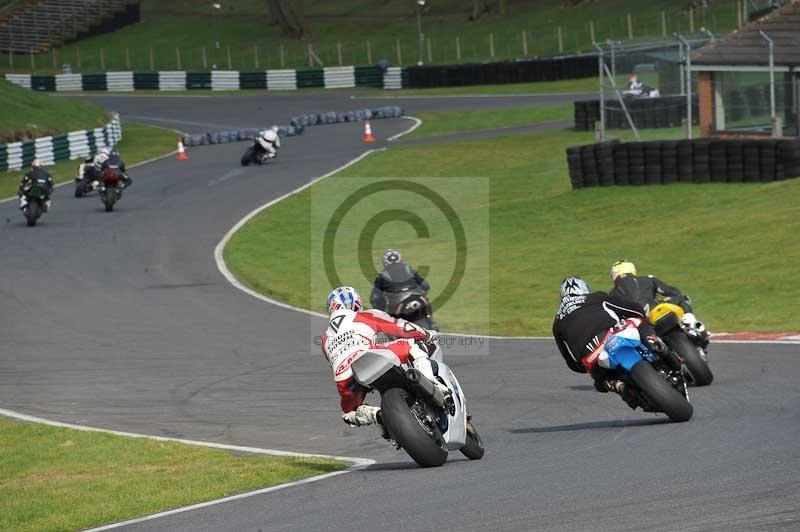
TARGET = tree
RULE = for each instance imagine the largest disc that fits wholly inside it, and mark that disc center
(289, 15)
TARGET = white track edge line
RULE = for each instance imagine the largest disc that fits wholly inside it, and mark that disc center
(417, 123)
(220, 247)
(358, 463)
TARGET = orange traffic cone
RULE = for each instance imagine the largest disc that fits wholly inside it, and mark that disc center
(368, 132)
(181, 150)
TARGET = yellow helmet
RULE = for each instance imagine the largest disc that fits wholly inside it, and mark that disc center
(622, 267)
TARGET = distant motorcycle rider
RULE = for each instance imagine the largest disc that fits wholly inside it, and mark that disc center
(352, 331)
(585, 321)
(648, 290)
(42, 177)
(115, 162)
(396, 276)
(269, 141)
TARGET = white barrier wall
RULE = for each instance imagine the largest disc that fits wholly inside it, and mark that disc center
(119, 81)
(340, 77)
(282, 79)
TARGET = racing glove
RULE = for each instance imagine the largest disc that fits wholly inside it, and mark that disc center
(363, 415)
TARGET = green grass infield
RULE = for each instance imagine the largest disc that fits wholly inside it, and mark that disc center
(55, 479)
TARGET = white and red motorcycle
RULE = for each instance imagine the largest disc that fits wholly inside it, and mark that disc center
(415, 413)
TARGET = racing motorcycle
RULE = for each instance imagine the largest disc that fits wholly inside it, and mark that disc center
(654, 382)
(411, 304)
(110, 187)
(255, 154)
(688, 340)
(84, 183)
(34, 193)
(416, 415)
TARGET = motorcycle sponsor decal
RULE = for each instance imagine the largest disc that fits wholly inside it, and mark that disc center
(346, 363)
(570, 304)
(336, 322)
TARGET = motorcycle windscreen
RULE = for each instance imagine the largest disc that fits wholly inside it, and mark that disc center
(372, 365)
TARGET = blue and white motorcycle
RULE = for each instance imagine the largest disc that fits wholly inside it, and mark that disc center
(654, 382)
(415, 414)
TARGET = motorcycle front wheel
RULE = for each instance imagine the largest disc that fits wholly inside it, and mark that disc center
(660, 393)
(247, 158)
(697, 369)
(424, 443)
(473, 447)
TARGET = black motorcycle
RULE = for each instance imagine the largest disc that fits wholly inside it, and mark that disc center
(411, 304)
(35, 193)
(255, 154)
(85, 181)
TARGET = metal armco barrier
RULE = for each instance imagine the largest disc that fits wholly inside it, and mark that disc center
(73, 145)
(683, 161)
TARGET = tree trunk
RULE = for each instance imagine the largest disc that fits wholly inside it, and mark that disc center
(289, 15)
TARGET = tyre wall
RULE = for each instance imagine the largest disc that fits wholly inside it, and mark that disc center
(666, 162)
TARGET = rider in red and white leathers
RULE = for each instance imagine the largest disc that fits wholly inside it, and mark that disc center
(350, 333)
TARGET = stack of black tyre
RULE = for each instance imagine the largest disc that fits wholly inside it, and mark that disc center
(684, 161)
(587, 112)
(646, 113)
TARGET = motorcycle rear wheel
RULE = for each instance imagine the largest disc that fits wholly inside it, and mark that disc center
(109, 198)
(32, 213)
(428, 449)
(473, 447)
(660, 393)
(697, 369)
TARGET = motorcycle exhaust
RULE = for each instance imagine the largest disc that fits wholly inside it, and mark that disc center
(425, 388)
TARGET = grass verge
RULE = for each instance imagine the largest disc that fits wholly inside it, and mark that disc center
(459, 121)
(56, 479)
(139, 143)
(25, 114)
(718, 242)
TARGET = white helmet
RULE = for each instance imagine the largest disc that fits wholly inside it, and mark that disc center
(269, 135)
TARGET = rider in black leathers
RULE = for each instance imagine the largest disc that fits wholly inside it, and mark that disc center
(36, 174)
(648, 291)
(115, 162)
(395, 277)
(582, 322)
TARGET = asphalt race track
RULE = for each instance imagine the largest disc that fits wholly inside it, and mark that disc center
(123, 321)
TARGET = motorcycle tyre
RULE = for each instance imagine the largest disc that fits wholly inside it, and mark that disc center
(660, 393)
(473, 447)
(404, 428)
(699, 374)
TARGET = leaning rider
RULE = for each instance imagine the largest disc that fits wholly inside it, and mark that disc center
(649, 290)
(584, 323)
(396, 276)
(352, 331)
(38, 175)
(115, 162)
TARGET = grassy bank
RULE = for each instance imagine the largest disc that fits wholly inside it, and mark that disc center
(177, 32)
(139, 143)
(717, 242)
(457, 121)
(25, 114)
(55, 479)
